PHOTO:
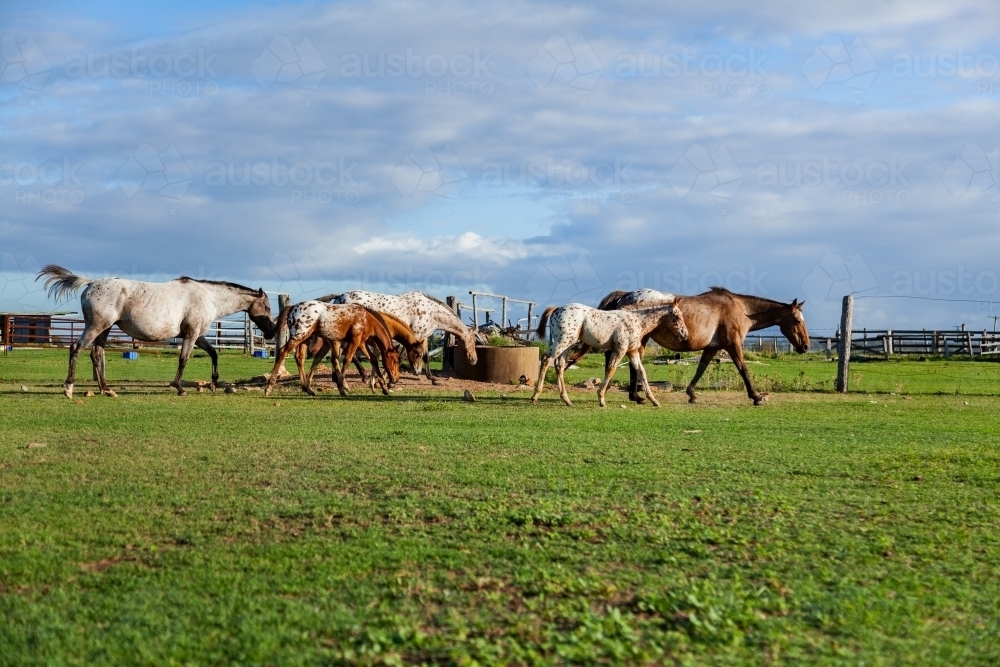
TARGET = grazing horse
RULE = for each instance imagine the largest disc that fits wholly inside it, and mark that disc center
(423, 314)
(398, 331)
(621, 332)
(183, 308)
(716, 320)
(350, 323)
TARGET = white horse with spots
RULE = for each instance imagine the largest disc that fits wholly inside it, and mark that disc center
(423, 314)
(620, 331)
(183, 308)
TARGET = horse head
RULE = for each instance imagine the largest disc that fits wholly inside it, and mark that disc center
(260, 313)
(416, 358)
(793, 326)
(469, 343)
(391, 362)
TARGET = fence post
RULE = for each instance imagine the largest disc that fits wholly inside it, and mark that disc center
(528, 335)
(475, 313)
(844, 348)
(503, 313)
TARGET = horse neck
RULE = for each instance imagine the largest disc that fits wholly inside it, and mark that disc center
(383, 337)
(650, 318)
(448, 321)
(763, 313)
(229, 300)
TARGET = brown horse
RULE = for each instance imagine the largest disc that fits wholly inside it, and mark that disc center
(398, 331)
(716, 320)
(352, 324)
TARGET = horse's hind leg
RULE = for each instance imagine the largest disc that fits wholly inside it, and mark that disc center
(97, 357)
(541, 378)
(736, 352)
(706, 358)
(635, 363)
(185, 354)
(352, 348)
(87, 339)
(300, 365)
(318, 359)
(609, 372)
(561, 363)
(203, 344)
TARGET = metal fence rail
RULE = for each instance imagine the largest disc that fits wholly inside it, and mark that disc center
(236, 332)
(888, 342)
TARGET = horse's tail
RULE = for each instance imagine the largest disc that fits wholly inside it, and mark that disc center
(281, 324)
(610, 302)
(61, 283)
(543, 321)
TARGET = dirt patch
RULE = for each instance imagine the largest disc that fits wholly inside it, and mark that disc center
(103, 564)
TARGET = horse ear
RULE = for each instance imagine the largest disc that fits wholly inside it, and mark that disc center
(795, 303)
(260, 291)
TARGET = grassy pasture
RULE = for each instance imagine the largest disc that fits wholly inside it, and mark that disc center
(234, 529)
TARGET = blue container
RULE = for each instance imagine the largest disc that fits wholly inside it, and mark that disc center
(131, 355)
(260, 354)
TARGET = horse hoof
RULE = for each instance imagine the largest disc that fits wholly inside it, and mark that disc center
(110, 394)
(692, 399)
(211, 387)
(309, 391)
(182, 393)
(68, 393)
(761, 400)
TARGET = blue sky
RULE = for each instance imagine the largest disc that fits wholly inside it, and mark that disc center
(550, 151)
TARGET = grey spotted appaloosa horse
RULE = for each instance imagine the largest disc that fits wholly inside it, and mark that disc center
(621, 332)
(183, 308)
(423, 314)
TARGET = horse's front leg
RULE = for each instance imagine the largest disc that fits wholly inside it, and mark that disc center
(279, 361)
(706, 358)
(425, 356)
(185, 354)
(352, 349)
(736, 352)
(203, 344)
(609, 372)
(635, 363)
(300, 363)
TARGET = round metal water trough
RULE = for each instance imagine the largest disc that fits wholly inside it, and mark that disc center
(501, 365)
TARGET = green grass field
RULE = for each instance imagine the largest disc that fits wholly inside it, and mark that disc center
(417, 528)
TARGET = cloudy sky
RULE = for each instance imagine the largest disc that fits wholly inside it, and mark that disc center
(546, 151)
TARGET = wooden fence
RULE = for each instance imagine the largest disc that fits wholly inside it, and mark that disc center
(888, 342)
(236, 332)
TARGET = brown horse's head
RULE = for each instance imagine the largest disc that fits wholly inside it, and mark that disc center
(260, 313)
(793, 326)
(415, 357)
(391, 362)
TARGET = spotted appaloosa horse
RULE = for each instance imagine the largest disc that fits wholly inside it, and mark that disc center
(423, 314)
(348, 323)
(183, 308)
(621, 332)
(716, 320)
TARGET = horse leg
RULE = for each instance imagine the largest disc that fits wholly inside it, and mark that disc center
(609, 372)
(279, 361)
(300, 363)
(86, 340)
(317, 359)
(425, 354)
(561, 363)
(203, 344)
(706, 357)
(181, 363)
(736, 352)
(635, 364)
(97, 358)
(374, 355)
(352, 349)
(541, 378)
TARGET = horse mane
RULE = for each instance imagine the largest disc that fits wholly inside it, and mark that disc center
(611, 300)
(222, 283)
(715, 289)
(328, 298)
(437, 300)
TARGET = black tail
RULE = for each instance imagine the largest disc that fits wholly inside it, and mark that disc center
(610, 302)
